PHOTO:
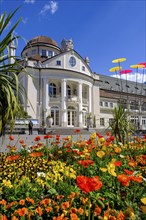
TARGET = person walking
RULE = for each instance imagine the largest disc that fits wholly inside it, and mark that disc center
(30, 126)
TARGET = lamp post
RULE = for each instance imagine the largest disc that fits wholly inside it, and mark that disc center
(137, 67)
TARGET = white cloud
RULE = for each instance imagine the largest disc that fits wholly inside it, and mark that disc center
(139, 77)
(29, 1)
(52, 7)
(25, 20)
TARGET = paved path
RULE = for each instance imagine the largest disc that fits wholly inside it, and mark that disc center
(29, 140)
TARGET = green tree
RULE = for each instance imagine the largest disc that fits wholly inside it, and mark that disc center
(10, 91)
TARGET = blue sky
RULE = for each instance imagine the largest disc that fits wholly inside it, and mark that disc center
(103, 30)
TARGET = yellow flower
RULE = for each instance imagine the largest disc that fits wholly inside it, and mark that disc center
(7, 183)
(103, 169)
(100, 153)
(143, 200)
(111, 169)
(93, 136)
(69, 138)
(101, 140)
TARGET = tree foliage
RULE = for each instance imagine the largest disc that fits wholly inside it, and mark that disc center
(10, 91)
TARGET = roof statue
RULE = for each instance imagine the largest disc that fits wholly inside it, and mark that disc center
(66, 45)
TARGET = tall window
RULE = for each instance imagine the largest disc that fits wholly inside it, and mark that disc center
(68, 91)
(44, 54)
(55, 115)
(102, 122)
(52, 90)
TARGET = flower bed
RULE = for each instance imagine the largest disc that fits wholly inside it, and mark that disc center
(92, 179)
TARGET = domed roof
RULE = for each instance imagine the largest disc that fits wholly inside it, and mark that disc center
(42, 39)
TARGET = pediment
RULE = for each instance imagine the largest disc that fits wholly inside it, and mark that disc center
(69, 60)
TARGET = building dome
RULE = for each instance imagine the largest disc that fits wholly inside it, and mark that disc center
(42, 39)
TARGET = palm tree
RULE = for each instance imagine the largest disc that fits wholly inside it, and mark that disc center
(121, 124)
(10, 90)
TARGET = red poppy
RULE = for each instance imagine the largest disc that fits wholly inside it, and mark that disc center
(13, 157)
(87, 184)
(136, 179)
(37, 138)
(66, 138)
(21, 141)
(36, 154)
(11, 138)
(123, 179)
(86, 163)
(108, 133)
(118, 163)
(77, 131)
(129, 172)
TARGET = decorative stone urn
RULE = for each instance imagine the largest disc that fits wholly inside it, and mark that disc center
(89, 121)
(49, 121)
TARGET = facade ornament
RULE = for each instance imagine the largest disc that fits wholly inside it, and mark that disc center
(87, 60)
(66, 45)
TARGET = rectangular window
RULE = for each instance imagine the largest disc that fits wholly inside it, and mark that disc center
(49, 53)
(102, 123)
(33, 52)
(44, 54)
(111, 121)
(111, 105)
(106, 104)
(83, 68)
(101, 103)
(58, 63)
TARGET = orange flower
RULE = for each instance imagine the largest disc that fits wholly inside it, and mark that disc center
(22, 212)
(30, 200)
(36, 154)
(97, 210)
(11, 138)
(3, 202)
(80, 211)
(45, 202)
(22, 202)
(65, 205)
(132, 163)
(37, 138)
(123, 179)
(14, 218)
(14, 157)
(48, 209)
(117, 150)
(121, 216)
(39, 211)
(4, 217)
(73, 216)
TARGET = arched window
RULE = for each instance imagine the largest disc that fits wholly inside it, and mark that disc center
(52, 90)
(68, 91)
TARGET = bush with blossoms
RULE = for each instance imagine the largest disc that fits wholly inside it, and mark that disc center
(62, 179)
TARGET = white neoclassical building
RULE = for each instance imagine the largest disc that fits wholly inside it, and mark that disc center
(61, 84)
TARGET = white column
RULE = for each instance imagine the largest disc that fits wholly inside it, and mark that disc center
(90, 99)
(80, 103)
(45, 100)
(63, 103)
